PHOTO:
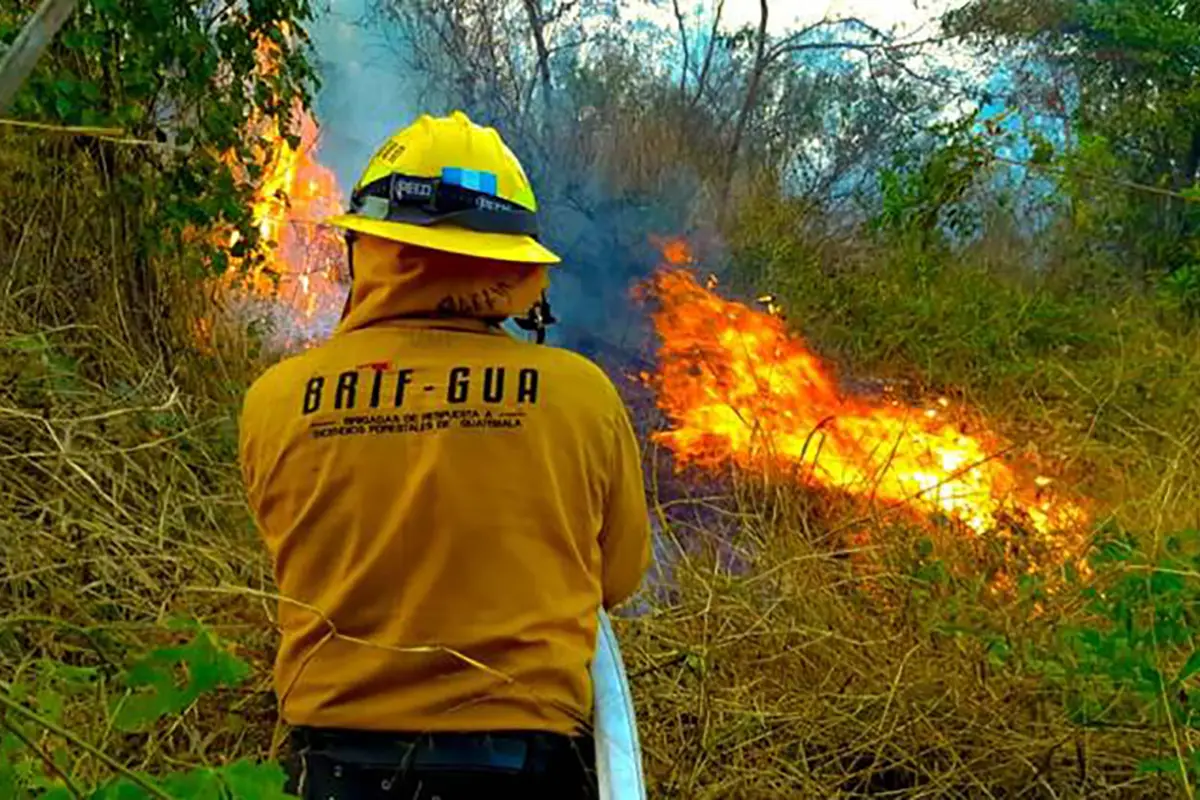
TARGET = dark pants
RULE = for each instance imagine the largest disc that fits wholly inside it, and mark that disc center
(364, 765)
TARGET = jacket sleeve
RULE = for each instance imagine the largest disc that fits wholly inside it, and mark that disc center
(625, 535)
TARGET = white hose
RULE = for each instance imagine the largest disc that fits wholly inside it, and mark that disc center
(618, 750)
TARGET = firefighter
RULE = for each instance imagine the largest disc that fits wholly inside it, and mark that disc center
(446, 505)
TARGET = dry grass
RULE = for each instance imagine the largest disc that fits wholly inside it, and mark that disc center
(800, 673)
(121, 492)
(786, 659)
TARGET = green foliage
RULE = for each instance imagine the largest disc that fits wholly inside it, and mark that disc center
(184, 73)
(1181, 289)
(924, 200)
(170, 679)
(1130, 659)
(1128, 50)
(956, 322)
(35, 754)
(1134, 661)
(1134, 106)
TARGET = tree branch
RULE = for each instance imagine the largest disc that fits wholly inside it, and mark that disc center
(866, 47)
(22, 56)
(756, 73)
(533, 10)
(702, 80)
(559, 12)
(687, 53)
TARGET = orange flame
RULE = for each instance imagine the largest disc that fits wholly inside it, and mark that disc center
(304, 259)
(302, 262)
(739, 388)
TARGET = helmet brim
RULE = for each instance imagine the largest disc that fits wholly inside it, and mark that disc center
(450, 239)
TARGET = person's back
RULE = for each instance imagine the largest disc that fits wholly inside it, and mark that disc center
(447, 508)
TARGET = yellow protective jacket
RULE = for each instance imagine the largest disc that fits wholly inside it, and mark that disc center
(446, 508)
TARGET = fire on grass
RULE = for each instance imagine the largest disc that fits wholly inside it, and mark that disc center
(297, 277)
(738, 388)
(303, 258)
(299, 273)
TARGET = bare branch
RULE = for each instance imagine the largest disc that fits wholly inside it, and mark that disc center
(752, 89)
(701, 81)
(683, 42)
(536, 26)
(866, 47)
(559, 12)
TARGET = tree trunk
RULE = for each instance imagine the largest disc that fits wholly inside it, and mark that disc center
(537, 26)
(683, 45)
(747, 109)
(20, 58)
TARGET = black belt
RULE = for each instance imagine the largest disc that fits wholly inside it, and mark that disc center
(507, 751)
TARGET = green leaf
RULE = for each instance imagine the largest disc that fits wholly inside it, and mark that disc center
(1160, 766)
(29, 343)
(134, 712)
(63, 106)
(50, 703)
(183, 625)
(998, 652)
(75, 678)
(9, 746)
(250, 781)
(158, 690)
(1190, 668)
(8, 780)
(122, 789)
(198, 784)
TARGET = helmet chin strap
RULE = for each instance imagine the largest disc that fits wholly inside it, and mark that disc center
(350, 237)
(538, 319)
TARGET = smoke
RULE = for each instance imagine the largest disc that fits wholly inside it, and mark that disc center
(605, 232)
(608, 242)
(366, 90)
(605, 237)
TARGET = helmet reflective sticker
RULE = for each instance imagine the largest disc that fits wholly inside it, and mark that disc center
(391, 151)
(473, 179)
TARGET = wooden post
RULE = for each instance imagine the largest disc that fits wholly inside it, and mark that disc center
(22, 55)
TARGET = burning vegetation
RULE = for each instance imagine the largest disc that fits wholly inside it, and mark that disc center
(739, 389)
(299, 266)
(302, 265)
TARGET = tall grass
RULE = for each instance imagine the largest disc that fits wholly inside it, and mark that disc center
(117, 460)
(830, 665)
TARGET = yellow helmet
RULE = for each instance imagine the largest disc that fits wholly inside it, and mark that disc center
(448, 184)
